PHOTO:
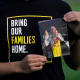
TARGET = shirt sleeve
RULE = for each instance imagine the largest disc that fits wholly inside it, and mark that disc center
(66, 8)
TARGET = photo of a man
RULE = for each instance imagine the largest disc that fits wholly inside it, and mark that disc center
(54, 40)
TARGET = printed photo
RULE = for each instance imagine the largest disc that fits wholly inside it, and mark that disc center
(54, 38)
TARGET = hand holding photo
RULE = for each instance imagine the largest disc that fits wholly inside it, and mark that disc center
(54, 37)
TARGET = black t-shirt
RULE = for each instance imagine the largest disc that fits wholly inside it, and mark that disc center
(19, 30)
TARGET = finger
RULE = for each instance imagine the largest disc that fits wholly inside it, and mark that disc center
(33, 60)
(73, 19)
(71, 12)
(68, 17)
(35, 56)
(36, 64)
(36, 68)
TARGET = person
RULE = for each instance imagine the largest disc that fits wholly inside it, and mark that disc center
(54, 38)
(73, 20)
(20, 48)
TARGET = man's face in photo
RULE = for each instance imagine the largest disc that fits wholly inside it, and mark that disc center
(53, 29)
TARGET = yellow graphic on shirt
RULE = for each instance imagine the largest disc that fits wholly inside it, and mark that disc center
(21, 39)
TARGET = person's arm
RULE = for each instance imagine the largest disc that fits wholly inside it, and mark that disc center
(28, 65)
(59, 36)
(45, 40)
(73, 61)
(8, 68)
(46, 43)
